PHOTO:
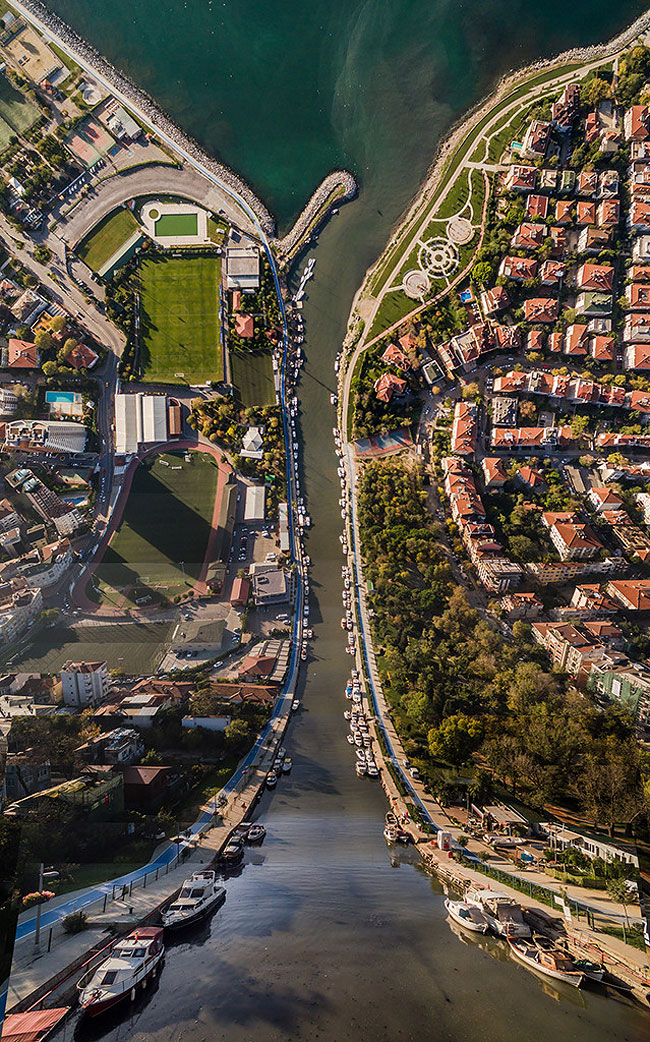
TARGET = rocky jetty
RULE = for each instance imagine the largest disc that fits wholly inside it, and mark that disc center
(338, 187)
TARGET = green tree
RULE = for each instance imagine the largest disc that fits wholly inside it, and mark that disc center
(456, 739)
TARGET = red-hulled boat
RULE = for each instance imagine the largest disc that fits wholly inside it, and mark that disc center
(132, 963)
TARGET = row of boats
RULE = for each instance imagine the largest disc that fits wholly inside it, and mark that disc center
(282, 763)
(135, 960)
(359, 734)
(483, 910)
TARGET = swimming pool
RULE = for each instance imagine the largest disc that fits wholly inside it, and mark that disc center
(61, 397)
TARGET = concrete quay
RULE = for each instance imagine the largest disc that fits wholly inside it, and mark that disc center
(47, 977)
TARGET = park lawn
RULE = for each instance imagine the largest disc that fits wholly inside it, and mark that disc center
(177, 224)
(252, 376)
(179, 317)
(158, 550)
(15, 110)
(134, 647)
(105, 240)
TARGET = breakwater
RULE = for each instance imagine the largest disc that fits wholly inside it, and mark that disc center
(143, 105)
(338, 187)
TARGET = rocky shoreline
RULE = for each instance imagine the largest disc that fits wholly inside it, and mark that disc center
(145, 105)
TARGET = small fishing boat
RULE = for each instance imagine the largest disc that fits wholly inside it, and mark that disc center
(198, 895)
(233, 852)
(256, 834)
(271, 780)
(133, 961)
(287, 765)
(553, 963)
(295, 705)
(390, 834)
(350, 738)
(465, 915)
(361, 769)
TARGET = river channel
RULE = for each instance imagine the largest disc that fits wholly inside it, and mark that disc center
(322, 935)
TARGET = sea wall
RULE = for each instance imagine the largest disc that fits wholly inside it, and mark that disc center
(144, 106)
(315, 211)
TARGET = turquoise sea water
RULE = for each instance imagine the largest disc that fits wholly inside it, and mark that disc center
(284, 91)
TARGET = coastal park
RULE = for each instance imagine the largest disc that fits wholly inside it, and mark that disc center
(159, 547)
(179, 319)
(134, 646)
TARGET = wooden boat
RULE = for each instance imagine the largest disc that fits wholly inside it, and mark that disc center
(391, 819)
(553, 963)
(466, 916)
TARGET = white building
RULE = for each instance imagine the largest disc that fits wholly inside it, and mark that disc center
(8, 402)
(140, 419)
(254, 507)
(643, 502)
(243, 268)
(84, 683)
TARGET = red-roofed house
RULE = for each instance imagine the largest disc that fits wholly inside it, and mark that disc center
(558, 239)
(636, 123)
(22, 355)
(494, 472)
(552, 272)
(521, 178)
(240, 591)
(387, 385)
(244, 325)
(602, 348)
(637, 295)
(463, 431)
(632, 594)
(609, 213)
(541, 309)
(587, 182)
(586, 212)
(495, 299)
(393, 356)
(82, 357)
(574, 540)
(604, 498)
(528, 236)
(564, 211)
(640, 215)
(537, 207)
(535, 340)
(598, 277)
(555, 342)
(518, 268)
(507, 338)
(531, 476)
(575, 339)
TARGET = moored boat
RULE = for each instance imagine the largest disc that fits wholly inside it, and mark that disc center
(553, 963)
(467, 916)
(256, 834)
(198, 895)
(503, 914)
(133, 961)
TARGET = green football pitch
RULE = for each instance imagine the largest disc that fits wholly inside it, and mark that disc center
(179, 319)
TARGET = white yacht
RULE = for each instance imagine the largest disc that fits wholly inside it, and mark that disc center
(134, 960)
(198, 895)
(503, 913)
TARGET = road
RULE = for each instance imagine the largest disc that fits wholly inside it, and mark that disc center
(106, 195)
